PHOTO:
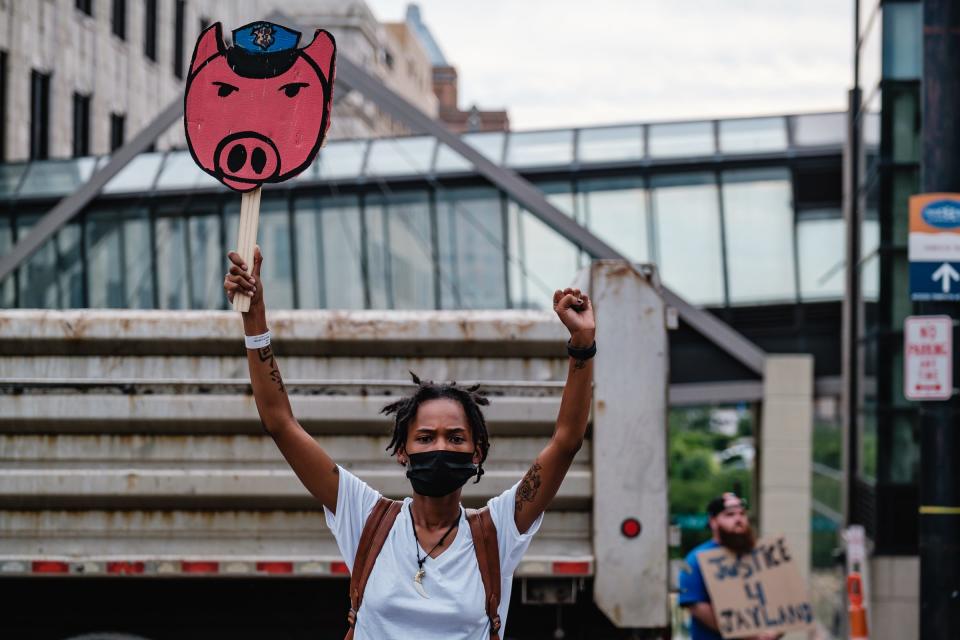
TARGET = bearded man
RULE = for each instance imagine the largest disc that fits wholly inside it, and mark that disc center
(730, 527)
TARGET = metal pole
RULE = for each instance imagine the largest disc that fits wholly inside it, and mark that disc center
(940, 421)
(851, 301)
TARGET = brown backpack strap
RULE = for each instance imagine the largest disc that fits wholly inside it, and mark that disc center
(375, 531)
(488, 559)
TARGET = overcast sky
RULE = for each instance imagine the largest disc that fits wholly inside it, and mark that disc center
(577, 62)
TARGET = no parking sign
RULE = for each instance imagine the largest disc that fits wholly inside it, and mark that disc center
(928, 357)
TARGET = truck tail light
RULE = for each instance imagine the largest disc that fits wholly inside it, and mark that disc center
(571, 568)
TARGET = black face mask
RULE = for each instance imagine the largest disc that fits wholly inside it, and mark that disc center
(440, 473)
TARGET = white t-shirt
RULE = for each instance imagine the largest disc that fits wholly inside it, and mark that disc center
(391, 607)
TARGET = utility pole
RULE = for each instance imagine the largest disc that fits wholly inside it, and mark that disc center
(940, 420)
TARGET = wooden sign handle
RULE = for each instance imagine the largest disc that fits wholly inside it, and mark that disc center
(247, 239)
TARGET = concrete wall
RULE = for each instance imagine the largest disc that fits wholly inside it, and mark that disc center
(786, 448)
(894, 607)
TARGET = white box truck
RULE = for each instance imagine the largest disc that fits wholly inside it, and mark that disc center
(140, 497)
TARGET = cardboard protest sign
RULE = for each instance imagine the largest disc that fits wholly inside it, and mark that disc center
(257, 112)
(757, 592)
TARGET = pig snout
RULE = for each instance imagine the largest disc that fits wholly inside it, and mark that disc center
(247, 157)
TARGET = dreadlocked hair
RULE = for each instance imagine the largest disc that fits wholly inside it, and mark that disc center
(404, 411)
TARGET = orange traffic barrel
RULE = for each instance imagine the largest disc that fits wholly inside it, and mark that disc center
(855, 611)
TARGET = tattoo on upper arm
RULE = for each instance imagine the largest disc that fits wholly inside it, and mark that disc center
(336, 470)
(266, 355)
(529, 486)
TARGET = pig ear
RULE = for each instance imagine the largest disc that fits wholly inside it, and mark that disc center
(323, 51)
(209, 44)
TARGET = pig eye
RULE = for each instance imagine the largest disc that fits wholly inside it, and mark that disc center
(293, 88)
(225, 89)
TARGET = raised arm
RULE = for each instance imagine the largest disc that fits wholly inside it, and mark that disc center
(306, 457)
(544, 477)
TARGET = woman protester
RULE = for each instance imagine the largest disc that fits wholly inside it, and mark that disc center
(425, 567)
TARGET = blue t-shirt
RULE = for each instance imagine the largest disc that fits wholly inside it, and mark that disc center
(693, 589)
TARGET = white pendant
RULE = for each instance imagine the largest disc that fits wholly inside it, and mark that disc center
(418, 583)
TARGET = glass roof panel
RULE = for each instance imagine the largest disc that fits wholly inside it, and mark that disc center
(488, 143)
(342, 159)
(10, 175)
(610, 144)
(311, 173)
(138, 175)
(181, 172)
(819, 129)
(400, 156)
(681, 139)
(56, 177)
(751, 135)
(532, 148)
(450, 160)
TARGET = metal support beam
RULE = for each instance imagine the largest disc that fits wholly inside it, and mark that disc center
(718, 332)
(70, 206)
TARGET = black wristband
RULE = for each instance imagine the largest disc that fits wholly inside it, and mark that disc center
(585, 353)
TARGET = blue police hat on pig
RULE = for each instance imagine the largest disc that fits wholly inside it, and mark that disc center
(265, 37)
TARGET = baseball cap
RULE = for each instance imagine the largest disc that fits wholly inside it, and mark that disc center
(721, 502)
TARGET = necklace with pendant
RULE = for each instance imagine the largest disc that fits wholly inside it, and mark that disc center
(421, 572)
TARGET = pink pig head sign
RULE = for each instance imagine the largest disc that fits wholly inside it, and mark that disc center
(258, 111)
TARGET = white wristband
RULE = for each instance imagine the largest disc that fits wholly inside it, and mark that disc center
(257, 342)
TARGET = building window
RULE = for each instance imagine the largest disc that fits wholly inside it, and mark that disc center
(39, 115)
(691, 264)
(178, 39)
(119, 19)
(150, 29)
(81, 125)
(115, 241)
(86, 6)
(117, 124)
(758, 229)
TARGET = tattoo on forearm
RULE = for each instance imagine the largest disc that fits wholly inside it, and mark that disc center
(266, 355)
(579, 364)
(529, 486)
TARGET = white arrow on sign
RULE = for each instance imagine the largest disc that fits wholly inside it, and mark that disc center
(946, 272)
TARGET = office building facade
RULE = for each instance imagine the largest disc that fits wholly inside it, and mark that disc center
(81, 77)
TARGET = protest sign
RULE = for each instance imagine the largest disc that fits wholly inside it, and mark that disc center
(757, 592)
(257, 112)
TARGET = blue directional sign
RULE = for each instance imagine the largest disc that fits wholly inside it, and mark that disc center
(935, 280)
(934, 246)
